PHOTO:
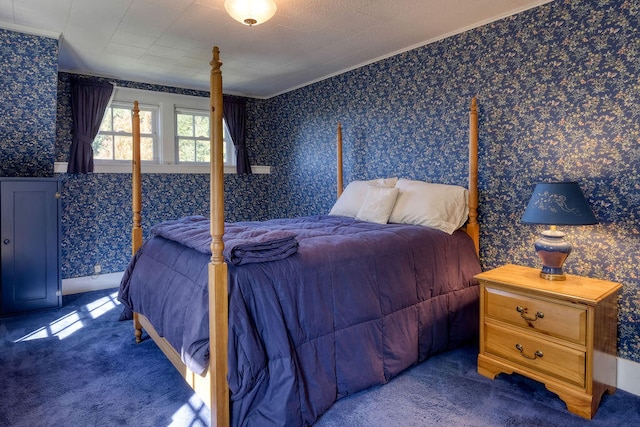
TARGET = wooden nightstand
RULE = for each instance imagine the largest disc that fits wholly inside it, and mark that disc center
(561, 333)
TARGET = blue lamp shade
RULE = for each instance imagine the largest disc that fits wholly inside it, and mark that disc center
(553, 204)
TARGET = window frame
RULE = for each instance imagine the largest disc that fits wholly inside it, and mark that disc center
(227, 141)
(166, 163)
(154, 131)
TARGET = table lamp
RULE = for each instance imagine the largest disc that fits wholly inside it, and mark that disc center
(553, 204)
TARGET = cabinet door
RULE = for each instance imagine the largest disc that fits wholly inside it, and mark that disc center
(29, 245)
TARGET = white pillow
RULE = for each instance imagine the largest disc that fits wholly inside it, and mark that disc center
(378, 204)
(349, 202)
(440, 206)
(385, 182)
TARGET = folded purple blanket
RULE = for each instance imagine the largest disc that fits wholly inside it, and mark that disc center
(243, 242)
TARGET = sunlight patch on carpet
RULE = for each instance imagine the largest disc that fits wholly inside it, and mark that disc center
(68, 324)
(191, 413)
(102, 305)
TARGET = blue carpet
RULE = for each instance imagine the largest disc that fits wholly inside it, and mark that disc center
(79, 366)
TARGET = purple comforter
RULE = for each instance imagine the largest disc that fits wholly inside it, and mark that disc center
(244, 243)
(355, 305)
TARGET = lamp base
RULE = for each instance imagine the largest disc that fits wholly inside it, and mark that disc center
(552, 276)
(553, 250)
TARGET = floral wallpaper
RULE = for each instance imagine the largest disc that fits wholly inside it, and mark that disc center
(28, 76)
(557, 88)
(96, 208)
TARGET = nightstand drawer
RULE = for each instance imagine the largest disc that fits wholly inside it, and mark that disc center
(536, 353)
(564, 321)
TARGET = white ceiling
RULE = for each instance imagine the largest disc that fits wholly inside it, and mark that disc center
(169, 42)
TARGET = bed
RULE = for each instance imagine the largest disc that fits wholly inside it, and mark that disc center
(301, 311)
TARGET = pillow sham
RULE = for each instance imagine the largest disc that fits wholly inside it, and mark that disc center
(378, 204)
(350, 201)
(385, 182)
(439, 206)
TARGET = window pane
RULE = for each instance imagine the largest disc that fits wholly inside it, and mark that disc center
(203, 148)
(185, 124)
(224, 152)
(186, 150)
(202, 126)
(103, 147)
(122, 120)
(123, 148)
(107, 121)
(145, 122)
(146, 148)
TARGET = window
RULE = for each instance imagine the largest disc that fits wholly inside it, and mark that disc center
(193, 137)
(114, 139)
(174, 134)
(167, 147)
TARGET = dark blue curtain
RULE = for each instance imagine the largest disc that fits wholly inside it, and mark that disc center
(234, 112)
(89, 101)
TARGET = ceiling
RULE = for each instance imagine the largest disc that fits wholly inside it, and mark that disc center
(169, 42)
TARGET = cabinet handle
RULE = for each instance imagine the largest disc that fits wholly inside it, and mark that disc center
(537, 354)
(523, 312)
(6, 241)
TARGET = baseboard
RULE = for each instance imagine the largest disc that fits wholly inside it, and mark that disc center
(628, 376)
(91, 283)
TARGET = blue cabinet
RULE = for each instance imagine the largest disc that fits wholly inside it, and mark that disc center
(29, 244)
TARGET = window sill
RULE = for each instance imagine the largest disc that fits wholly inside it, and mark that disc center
(61, 167)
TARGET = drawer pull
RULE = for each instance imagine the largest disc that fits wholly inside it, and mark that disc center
(537, 354)
(523, 312)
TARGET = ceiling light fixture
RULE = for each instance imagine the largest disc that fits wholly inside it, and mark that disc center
(251, 12)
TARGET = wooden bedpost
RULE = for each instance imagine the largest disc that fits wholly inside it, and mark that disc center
(339, 159)
(136, 201)
(218, 293)
(473, 229)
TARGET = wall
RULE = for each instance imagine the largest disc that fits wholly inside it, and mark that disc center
(558, 88)
(28, 77)
(96, 208)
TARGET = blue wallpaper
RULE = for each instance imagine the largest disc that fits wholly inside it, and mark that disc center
(96, 208)
(558, 91)
(28, 77)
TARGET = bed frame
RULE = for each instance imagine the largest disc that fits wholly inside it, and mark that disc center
(212, 387)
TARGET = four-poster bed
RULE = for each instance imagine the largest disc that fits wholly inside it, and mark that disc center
(209, 380)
